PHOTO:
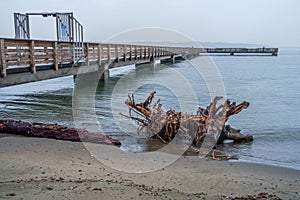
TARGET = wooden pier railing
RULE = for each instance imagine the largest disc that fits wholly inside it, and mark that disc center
(29, 56)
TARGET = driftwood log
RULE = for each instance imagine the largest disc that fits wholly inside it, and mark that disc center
(54, 131)
(208, 123)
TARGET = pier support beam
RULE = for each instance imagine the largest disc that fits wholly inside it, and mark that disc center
(172, 59)
(100, 75)
(150, 64)
(104, 71)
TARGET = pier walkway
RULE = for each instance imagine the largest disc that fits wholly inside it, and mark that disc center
(26, 60)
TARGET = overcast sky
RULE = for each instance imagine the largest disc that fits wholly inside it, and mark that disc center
(267, 22)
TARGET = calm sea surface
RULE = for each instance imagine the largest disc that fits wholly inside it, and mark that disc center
(270, 84)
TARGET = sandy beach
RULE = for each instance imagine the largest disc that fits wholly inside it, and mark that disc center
(37, 168)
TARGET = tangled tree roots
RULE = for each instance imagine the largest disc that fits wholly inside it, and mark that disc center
(208, 124)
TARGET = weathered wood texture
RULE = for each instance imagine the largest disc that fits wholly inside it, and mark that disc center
(208, 123)
(18, 53)
(54, 131)
(21, 53)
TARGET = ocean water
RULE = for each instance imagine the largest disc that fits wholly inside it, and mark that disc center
(270, 84)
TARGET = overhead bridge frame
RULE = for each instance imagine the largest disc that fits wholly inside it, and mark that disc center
(68, 29)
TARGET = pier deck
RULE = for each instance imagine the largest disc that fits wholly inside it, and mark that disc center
(24, 60)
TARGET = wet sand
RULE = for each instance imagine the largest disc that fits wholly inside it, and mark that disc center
(37, 168)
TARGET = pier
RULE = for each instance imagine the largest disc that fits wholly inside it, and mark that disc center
(242, 51)
(24, 60)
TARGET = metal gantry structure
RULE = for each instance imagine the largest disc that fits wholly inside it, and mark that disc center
(68, 29)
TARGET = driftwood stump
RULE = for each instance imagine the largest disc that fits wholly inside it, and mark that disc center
(208, 123)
